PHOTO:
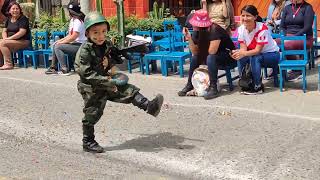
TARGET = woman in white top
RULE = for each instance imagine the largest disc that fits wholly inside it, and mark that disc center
(256, 47)
(71, 43)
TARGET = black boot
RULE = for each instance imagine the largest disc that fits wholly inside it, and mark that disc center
(152, 107)
(212, 92)
(89, 144)
(186, 89)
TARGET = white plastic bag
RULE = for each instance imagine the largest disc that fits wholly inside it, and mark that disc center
(201, 81)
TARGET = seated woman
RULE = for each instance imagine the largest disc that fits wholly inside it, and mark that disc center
(297, 20)
(210, 45)
(275, 13)
(71, 43)
(15, 34)
(220, 12)
(256, 47)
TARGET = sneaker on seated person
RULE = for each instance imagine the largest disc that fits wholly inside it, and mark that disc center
(294, 76)
(64, 72)
(185, 90)
(269, 74)
(255, 91)
(51, 70)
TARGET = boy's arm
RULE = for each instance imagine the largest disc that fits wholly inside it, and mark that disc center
(85, 70)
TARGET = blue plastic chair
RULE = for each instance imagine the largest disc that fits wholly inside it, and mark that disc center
(274, 69)
(162, 40)
(285, 64)
(41, 42)
(147, 33)
(316, 44)
(157, 50)
(167, 23)
(177, 54)
(48, 52)
(18, 55)
(172, 26)
(137, 58)
(60, 34)
(228, 74)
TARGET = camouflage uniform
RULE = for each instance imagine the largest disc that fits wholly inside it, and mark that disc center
(94, 64)
(95, 85)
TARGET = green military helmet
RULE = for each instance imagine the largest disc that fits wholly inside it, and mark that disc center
(93, 18)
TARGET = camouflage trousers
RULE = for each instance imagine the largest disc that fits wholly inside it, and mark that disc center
(95, 99)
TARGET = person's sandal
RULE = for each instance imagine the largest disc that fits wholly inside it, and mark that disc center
(6, 67)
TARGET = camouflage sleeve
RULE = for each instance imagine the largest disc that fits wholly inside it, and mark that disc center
(85, 70)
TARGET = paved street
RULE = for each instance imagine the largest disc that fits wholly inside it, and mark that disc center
(268, 136)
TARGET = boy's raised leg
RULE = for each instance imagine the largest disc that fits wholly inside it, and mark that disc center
(152, 107)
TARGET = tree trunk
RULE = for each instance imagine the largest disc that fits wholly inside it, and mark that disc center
(37, 7)
(120, 16)
(85, 6)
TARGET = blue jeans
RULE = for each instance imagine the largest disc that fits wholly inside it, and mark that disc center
(60, 50)
(213, 62)
(270, 59)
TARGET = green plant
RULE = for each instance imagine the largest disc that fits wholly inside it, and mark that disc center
(29, 11)
(113, 21)
(63, 16)
(114, 36)
(99, 6)
(150, 24)
(131, 24)
(49, 23)
(157, 12)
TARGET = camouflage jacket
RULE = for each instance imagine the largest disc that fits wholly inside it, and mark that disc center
(93, 65)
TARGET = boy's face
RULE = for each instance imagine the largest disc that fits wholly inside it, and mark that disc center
(97, 33)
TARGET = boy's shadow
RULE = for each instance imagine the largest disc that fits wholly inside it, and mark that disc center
(154, 143)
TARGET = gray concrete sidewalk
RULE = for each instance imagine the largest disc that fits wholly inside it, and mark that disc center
(268, 136)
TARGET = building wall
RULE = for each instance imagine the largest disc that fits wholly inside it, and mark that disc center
(139, 8)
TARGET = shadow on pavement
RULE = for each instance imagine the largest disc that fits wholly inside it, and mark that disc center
(154, 143)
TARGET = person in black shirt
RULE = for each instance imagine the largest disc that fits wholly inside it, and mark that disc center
(15, 34)
(210, 44)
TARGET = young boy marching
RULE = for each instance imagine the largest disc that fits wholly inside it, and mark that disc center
(99, 82)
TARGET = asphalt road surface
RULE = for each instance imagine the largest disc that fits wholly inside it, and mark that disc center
(231, 137)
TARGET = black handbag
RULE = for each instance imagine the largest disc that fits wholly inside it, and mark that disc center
(246, 80)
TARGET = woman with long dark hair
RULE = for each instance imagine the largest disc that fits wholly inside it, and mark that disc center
(15, 34)
(71, 43)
